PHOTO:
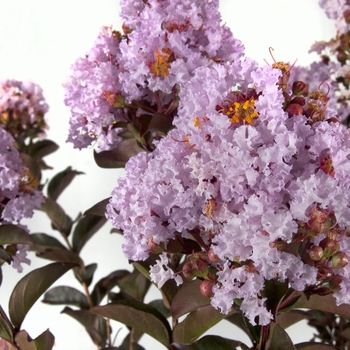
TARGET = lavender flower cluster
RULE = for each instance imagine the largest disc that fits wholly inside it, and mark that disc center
(19, 195)
(254, 164)
(339, 10)
(136, 72)
(22, 108)
(18, 190)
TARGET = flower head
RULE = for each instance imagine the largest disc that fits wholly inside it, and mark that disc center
(244, 191)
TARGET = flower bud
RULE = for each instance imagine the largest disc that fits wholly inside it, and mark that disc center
(300, 100)
(213, 257)
(334, 282)
(154, 247)
(316, 253)
(189, 270)
(340, 260)
(206, 288)
(202, 268)
(330, 247)
(299, 88)
(294, 109)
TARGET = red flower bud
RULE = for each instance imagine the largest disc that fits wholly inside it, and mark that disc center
(299, 100)
(316, 253)
(189, 270)
(206, 288)
(340, 260)
(330, 247)
(334, 282)
(294, 109)
(300, 88)
(213, 257)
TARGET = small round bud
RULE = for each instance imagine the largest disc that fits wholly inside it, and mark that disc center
(206, 288)
(154, 247)
(334, 282)
(189, 270)
(299, 88)
(340, 260)
(294, 109)
(213, 257)
(316, 253)
(202, 268)
(330, 247)
(299, 100)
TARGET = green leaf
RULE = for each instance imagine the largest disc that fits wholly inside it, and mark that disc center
(60, 221)
(323, 303)
(135, 336)
(188, 299)
(63, 256)
(274, 291)
(287, 319)
(12, 234)
(314, 346)
(31, 287)
(99, 209)
(60, 181)
(63, 295)
(196, 323)
(4, 256)
(84, 274)
(253, 332)
(143, 123)
(85, 229)
(94, 325)
(24, 341)
(42, 148)
(161, 123)
(117, 157)
(45, 341)
(135, 284)
(6, 329)
(183, 246)
(137, 315)
(159, 305)
(126, 345)
(42, 242)
(210, 342)
(104, 285)
(279, 339)
(135, 131)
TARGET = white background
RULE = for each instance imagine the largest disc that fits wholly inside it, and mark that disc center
(39, 40)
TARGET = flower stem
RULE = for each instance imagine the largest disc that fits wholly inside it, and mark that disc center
(264, 333)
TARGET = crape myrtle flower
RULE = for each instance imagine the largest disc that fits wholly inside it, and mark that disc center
(22, 109)
(18, 193)
(338, 10)
(20, 257)
(141, 71)
(18, 190)
(246, 179)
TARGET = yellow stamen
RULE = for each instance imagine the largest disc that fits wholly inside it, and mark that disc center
(197, 123)
(161, 65)
(244, 112)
